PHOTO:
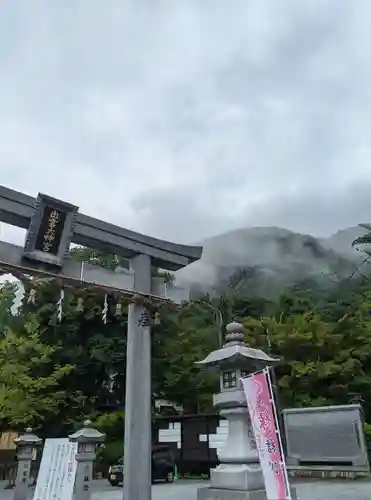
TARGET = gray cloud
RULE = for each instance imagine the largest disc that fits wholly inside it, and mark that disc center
(186, 119)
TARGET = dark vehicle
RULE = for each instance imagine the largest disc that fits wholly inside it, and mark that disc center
(163, 467)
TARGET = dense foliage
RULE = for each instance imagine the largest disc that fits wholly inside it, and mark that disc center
(30, 383)
(53, 375)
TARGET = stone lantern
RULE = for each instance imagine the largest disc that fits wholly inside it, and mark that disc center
(87, 440)
(27, 444)
(239, 475)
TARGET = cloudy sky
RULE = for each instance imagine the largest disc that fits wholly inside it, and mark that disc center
(184, 119)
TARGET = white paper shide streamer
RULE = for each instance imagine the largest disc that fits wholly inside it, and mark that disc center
(105, 310)
(60, 306)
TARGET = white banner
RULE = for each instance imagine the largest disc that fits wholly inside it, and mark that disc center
(263, 414)
(57, 472)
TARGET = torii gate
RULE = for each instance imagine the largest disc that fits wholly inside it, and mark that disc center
(51, 226)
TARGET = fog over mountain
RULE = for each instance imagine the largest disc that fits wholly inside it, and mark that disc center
(266, 259)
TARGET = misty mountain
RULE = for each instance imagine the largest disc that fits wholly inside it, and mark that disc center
(341, 242)
(264, 260)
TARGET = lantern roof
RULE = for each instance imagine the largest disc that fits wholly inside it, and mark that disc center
(28, 438)
(237, 353)
(87, 434)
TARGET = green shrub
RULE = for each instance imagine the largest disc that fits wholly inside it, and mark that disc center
(368, 438)
(110, 453)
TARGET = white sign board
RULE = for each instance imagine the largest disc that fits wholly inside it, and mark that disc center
(57, 473)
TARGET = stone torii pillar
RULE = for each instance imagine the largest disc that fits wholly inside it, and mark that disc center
(138, 399)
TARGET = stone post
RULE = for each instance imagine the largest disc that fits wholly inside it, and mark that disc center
(239, 475)
(26, 446)
(87, 440)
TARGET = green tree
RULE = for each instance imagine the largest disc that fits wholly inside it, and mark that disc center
(103, 259)
(182, 339)
(364, 240)
(7, 298)
(29, 383)
(97, 350)
(323, 361)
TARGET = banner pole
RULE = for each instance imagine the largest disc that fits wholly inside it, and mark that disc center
(267, 374)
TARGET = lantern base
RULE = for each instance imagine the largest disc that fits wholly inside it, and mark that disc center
(245, 477)
(220, 494)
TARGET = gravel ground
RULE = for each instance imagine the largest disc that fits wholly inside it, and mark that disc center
(187, 490)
